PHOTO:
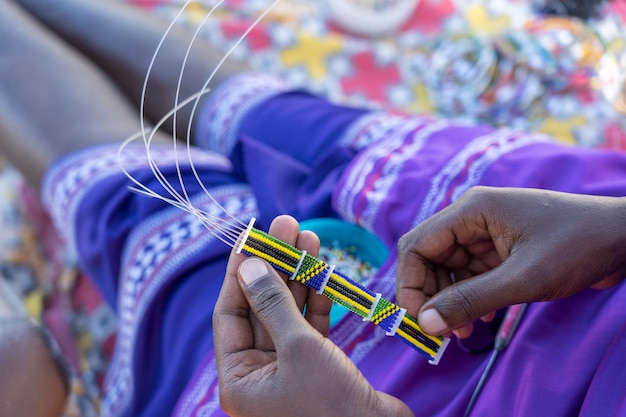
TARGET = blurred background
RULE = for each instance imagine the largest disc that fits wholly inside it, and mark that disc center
(555, 67)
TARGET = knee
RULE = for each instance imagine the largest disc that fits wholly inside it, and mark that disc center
(33, 381)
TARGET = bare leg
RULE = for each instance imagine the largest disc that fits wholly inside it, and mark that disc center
(33, 381)
(52, 100)
(122, 40)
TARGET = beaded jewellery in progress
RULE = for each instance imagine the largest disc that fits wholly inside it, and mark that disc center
(297, 264)
(317, 274)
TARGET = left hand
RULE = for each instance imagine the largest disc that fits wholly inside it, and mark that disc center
(272, 361)
(495, 247)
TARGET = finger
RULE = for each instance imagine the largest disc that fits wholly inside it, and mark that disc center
(409, 293)
(432, 241)
(318, 312)
(271, 302)
(412, 277)
(412, 297)
(487, 318)
(462, 274)
(450, 238)
(608, 282)
(444, 280)
(463, 302)
(422, 255)
(309, 242)
(465, 331)
(231, 324)
(485, 258)
(317, 306)
(286, 229)
(446, 236)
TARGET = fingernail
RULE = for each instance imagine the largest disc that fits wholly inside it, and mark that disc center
(251, 270)
(431, 322)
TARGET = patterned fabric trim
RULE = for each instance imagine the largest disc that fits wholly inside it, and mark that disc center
(468, 166)
(201, 398)
(374, 171)
(155, 251)
(75, 176)
(218, 123)
(376, 126)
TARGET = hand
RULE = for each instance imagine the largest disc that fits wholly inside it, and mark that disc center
(272, 361)
(497, 247)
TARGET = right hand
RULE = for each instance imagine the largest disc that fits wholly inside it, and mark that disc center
(497, 247)
(272, 361)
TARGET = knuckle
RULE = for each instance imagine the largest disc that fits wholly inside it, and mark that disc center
(405, 242)
(268, 300)
(481, 196)
(462, 305)
(411, 239)
(477, 193)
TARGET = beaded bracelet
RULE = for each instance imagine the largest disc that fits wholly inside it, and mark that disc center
(326, 280)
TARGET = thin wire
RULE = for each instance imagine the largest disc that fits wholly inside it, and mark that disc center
(148, 140)
(229, 231)
(142, 188)
(151, 66)
(224, 230)
(206, 84)
(177, 97)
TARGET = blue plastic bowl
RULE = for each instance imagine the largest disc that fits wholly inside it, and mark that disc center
(359, 242)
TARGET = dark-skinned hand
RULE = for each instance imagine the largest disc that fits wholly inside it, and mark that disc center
(272, 361)
(496, 247)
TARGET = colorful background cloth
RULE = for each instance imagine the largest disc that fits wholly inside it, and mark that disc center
(492, 61)
(499, 62)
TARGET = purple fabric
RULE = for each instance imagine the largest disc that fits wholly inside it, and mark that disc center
(295, 153)
(151, 261)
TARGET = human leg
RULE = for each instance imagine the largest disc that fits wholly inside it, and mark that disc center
(52, 100)
(52, 109)
(122, 40)
(34, 379)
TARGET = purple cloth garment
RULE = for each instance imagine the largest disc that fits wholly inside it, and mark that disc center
(291, 152)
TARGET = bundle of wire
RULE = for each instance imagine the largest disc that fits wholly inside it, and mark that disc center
(298, 264)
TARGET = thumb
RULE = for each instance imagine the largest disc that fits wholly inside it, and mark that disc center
(270, 300)
(465, 301)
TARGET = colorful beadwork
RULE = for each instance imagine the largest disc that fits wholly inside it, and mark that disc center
(314, 273)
